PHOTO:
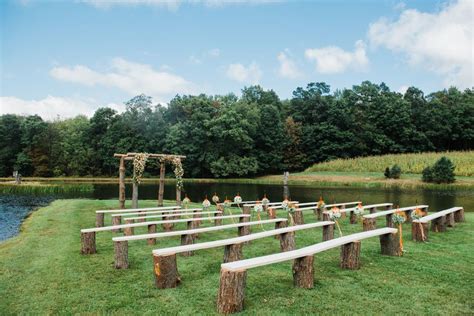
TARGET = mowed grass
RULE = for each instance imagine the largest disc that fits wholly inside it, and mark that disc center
(409, 163)
(42, 272)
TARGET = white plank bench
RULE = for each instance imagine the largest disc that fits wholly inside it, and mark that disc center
(248, 207)
(88, 245)
(307, 206)
(99, 217)
(369, 221)
(165, 259)
(233, 275)
(352, 217)
(117, 218)
(187, 237)
(439, 221)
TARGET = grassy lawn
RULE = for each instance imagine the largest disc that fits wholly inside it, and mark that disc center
(42, 272)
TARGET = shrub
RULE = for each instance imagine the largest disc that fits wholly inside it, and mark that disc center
(441, 172)
(393, 173)
(387, 173)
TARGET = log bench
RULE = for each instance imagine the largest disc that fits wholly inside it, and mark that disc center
(230, 298)
(88, 245)
(174, 215)
(369, 221)
(243, 229)
(117, 218)
(299, 218)
(100, 214)
(164, 260)
(352, 216)
(439, 221)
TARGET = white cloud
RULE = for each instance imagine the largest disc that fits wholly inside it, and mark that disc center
(333, 60)
(133, 78)
(51, 107)
(173, 5)
(194, 60)
(248, 74)
(215, 52)
(403, 89)
(441, 42)
(288, 68)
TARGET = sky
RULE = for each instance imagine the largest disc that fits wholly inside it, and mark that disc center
(64, 58)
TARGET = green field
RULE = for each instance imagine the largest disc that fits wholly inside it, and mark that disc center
(410, 163)
(42, 272)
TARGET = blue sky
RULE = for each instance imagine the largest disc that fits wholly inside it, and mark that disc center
(69, 57)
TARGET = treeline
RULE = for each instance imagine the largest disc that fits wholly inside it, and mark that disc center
(228, 136)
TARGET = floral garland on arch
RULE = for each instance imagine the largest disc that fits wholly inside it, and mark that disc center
(178, 169)
(139, 162)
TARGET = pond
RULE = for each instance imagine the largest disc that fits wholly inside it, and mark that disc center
(14, 208)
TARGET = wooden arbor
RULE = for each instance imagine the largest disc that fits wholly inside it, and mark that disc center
(139, 160)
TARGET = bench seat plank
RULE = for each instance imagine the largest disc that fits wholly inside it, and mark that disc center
(139, 209)
(314, 205)
(236, 240)
(303, 252)
(365, 207)
(392, 211)
(173, 214)
(157, 212)
(430, 217)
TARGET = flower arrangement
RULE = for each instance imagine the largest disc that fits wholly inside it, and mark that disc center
(237, 199)
(321, 203)
(215, 198)
(186, 201)
(335, 214)
(227, 203)
(359, 210)
(284, 204)
(178, 169)
(206, 204)
(258, 208)
(416, 213)
(265, 200)
(139, 162)
(399, 218)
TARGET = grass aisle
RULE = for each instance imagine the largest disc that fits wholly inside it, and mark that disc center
(41, 271)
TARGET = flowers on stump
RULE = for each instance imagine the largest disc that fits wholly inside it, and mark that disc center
(186, 201)
(335, 215)
(398, 219)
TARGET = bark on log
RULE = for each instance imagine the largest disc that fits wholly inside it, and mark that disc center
(232, 253)
(88, 243)
(279, 225)
(116, 220)
(390, 245)
(161, 188)
(450, 220)
(350, 256)
(141, 220)
(419, 231)
(128, 231)
(187, 240)
(459, 216)
(372, 210)
(369, 224)
(243, 230)
(298, 217)
(99, 219)
(134, 195)
(438, 224)
(328, 232)
(166, 271)
(246, 210)
(151, 230)
(121, 254)
(287, 241)
(303, 272)
(122, 183)
(326, 217)
(167, 226)
(178, 196)
(352, 217)
(408, 216)
(389, 220)
(230, 298)
(218, 219)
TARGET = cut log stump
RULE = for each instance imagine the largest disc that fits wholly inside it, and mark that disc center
(390, 245)
(328, 232)
(121, 254)
(438, 224)
(450, 220)
(116, 220)
(187, 240)
(459, 216)
(88, 243)
(389, 220)
(287, 241)
(298, 217)
(99, 219)
(303, 272)
(350, 256)
(166, 271)
(230, 298)
(128, 231)
(232, 253)
(419, 231)
(353, 218)
(369, 224)
(279, 225)
(151, 230)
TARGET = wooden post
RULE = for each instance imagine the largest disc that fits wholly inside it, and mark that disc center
(166, 271)
(369, 224)
(187, 240)
(116, 220)
(389, 220)
(408, 216)
(232, 253)
(372, 210)
(99, 219)
(178, 196)
(128, 231)
(419, 231)
(141, 214)
(459, 216)
(438, 224)
(121, 254)
(326, 216)
(243, 230)
(218, 219)
(230, 298)
(167, 226)
(246, 209)
(151, 230)
(450, 220)
(88, 243)
(303, 272)
(390, 245)
(298, 217)
(134, 194)
(122, 183)
(350, 256)
(279, 225)
(352, 217)
(328, 232)
(161, 188)
(287, 241)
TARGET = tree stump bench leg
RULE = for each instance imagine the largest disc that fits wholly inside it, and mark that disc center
(459, 216)
(438, 224)
(165, 270)
(218, 220)
(279, 225)
(352, 217)
(389, 220)
(303, 272)
(419, 231)
(230, 298)
(369, 224)
(372, 210)
(450, 220)
(128, 231)
(326, 217)
(167, 226)
(319, 213)
(243, 230)
(141, 220)
(298, 217)
(350, 256)
(232, 253)
(390, 245)
(99, 219)
(88, 243)
(408, 216)
(151, 230)
(187, 240)
(287, 241)
(121, 254)
(116, 220)
(328, 232)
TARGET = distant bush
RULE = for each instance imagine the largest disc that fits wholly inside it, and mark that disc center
(393, 173)
(441, 172)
